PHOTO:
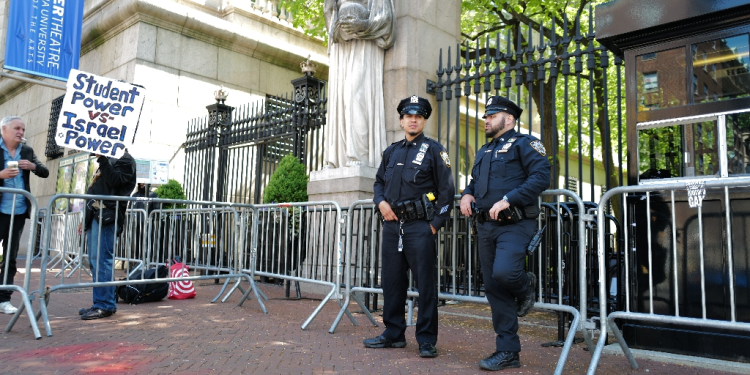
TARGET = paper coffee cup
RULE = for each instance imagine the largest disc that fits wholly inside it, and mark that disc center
(13, 164)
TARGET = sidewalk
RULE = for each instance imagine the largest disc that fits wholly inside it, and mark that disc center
(197, 337)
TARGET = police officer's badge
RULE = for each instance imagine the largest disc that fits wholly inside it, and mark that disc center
(539, 147)
(414, 99)
(446, 159)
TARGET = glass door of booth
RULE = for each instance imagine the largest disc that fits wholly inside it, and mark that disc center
(700, 147)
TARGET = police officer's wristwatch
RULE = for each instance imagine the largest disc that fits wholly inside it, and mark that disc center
(505, 198)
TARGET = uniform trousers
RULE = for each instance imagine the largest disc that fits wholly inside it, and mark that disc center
(418, 255)
(502, 253)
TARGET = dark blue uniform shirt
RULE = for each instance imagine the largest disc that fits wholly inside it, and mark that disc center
(519, 169)
(424, 171)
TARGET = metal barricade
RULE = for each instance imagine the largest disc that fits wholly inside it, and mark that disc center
(133, 240)
(694, 255)
(300, 242)
(23, 291)
(457, 267)
(362, 266)
(41, 214)
(64, 240)
(207, 239)
(556, 270)
(182, 232)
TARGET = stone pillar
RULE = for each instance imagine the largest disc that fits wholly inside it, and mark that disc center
(422, 29)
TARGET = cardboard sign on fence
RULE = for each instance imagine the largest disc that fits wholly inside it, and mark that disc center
(99, 114)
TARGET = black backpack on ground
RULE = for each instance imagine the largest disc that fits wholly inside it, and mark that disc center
(137, 293)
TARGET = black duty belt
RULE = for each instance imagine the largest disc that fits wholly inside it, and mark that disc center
(421, 209)
(510, 215)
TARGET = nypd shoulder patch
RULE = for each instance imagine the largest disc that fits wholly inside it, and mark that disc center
(539, 147)
(446, 159)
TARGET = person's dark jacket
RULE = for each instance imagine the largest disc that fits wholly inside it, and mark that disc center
(27, 153)
(117, 177)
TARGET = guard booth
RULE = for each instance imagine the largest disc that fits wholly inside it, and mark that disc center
(688, 119)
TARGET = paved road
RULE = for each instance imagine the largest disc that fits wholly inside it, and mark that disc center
(197, 337)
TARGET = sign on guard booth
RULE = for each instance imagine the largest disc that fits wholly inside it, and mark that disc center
(44, 37)
(99, 115)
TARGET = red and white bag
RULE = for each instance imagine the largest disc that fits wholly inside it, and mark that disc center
(180, 289)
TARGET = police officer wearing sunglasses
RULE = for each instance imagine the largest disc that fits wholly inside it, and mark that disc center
(509, 174)
(414, 193)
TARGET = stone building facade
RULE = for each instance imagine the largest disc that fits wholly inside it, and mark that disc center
(181, 51)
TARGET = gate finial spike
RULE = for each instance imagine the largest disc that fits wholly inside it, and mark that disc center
(220, 95)
(309, 67)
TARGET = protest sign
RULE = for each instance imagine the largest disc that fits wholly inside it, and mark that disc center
(99, 115)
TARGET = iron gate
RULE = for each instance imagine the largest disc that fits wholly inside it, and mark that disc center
(572, 94)
(573, 106)
(231, 153)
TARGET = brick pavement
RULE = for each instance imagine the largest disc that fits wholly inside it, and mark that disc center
(197, 337)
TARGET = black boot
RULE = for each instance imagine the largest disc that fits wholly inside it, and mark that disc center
(427, 350)
(524, 305)
(500, 360)
(382, 342)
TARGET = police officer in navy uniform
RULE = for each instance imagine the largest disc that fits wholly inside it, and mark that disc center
(509, 174)
(414, 193)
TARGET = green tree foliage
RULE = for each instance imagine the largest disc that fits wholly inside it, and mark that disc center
(171, 190)
(308, 15)
(585, 133)
(288, 183)
(478, 17)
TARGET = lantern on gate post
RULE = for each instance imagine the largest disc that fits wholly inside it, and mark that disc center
(219, 120)
(308, 113)
(307, 88)
(219, 113)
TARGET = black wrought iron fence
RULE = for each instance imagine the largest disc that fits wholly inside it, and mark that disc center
(231, 153)
(572, 93)
(570, 88)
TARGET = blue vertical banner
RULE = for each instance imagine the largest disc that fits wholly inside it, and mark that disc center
(44, 37)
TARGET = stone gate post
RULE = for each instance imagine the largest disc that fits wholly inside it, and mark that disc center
(422, 28)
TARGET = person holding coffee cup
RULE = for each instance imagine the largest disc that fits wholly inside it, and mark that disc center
(17, 160)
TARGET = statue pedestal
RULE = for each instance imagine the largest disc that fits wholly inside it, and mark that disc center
(343, 185)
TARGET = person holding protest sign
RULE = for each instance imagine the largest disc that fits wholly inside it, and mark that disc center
(105, 220)
(17, 161)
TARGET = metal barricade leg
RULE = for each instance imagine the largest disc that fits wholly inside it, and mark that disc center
(345, 309)
(621, 341)
(365, 310)
(25, 306)
(587, 338)
(259, 296)
(320, 307)
(235, 287)
(223, 288)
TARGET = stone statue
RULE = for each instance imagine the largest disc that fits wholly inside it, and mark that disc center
(359, 33)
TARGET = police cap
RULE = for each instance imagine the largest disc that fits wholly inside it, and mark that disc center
(415, 105)
(497, 104)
